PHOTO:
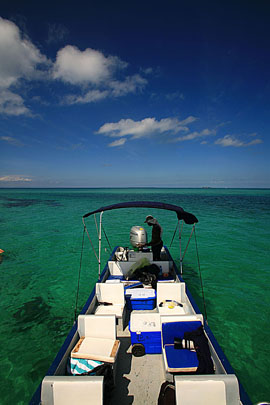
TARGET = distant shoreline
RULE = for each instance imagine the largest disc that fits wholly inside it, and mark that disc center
(135, 188)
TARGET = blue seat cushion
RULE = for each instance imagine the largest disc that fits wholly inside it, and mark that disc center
(171, 330)
(180, 360)
(116, 277)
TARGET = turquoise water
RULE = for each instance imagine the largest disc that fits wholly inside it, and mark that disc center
(41, 233)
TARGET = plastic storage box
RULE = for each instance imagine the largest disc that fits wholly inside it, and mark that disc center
(134, 256)
(145, 330)
(140, 298)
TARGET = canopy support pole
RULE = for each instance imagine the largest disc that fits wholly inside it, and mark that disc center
(180, 243)
(99, 243)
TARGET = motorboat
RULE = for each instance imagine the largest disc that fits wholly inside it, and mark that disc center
(140, 337)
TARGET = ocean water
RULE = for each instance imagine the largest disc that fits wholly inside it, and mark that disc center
(41, 233)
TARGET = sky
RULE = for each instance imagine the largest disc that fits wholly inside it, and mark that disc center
(135, 94)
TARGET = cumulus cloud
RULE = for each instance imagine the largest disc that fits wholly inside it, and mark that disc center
(117, 142)
(95, 74)
(229, 140)
(130, 85)
(19, 57)
(89, 97)
(84, 67)
(194, 135)
(15, 178)
(12, 104)
(112, 89)
(145, 127)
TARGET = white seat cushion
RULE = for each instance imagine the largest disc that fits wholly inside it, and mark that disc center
(201, 392)
(59, 390)
(96, 349)
(116, 310)
(221, 389)
(97, 326)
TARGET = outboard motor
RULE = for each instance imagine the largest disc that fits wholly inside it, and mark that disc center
(138, 236)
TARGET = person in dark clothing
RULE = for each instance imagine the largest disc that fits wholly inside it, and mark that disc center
(156, 242)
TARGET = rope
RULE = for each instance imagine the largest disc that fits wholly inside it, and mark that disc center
(174, 233)
(193, 229)
(107, 238)
(79, 277)
(90, 240)
(200, 276)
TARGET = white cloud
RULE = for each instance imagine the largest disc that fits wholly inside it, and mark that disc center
(229, 140)
(84, 67)
(95, 74)
(188, 120)
(111, 88)
(117, 142)
(12, 104)
(130, 85)
(89, 97)
(194, 135)
(15, 178)
(255, 142)
(145, 127)
(11, 140)
(19, 57)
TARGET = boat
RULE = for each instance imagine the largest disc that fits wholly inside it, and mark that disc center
(140, 337)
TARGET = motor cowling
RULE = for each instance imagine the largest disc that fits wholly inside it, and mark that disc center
(138, 236)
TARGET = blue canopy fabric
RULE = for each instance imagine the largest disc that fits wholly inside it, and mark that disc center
(181, 214)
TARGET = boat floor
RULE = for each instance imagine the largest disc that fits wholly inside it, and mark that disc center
(138, 379)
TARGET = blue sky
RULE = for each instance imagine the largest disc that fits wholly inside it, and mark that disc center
(138, 94)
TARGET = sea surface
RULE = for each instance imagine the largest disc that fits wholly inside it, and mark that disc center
(41, 233)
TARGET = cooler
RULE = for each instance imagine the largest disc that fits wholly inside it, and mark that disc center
(144, 329)
(140, 298)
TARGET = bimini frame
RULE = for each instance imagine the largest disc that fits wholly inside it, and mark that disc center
(187, 217)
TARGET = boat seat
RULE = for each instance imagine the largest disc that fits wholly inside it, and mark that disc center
(70, 390)
(221, 389)
(113, 294)
(168, 297)
(97, 338)
(178, 360)
(115, 278)
(122, 268)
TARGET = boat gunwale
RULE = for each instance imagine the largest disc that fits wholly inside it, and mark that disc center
(220, 353)
(35, 400)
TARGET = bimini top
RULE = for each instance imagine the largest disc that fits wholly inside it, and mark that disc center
(181, 214)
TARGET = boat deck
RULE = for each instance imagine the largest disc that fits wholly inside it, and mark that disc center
(138, 379)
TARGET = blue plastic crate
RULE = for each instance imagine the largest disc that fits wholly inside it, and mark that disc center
(145, 329)
(140, 299)
(150, 340)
